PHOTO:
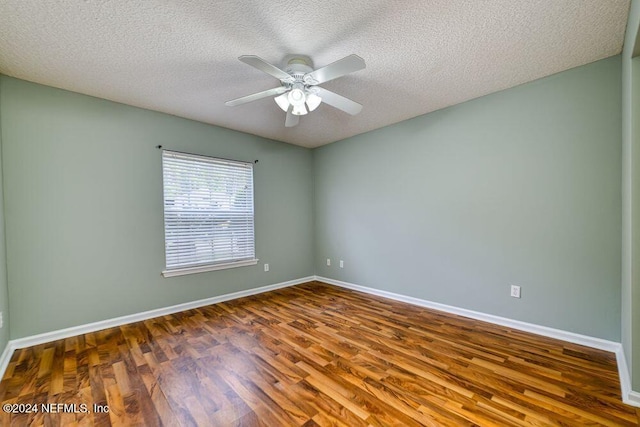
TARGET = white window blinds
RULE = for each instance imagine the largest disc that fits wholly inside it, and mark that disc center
(208, 212)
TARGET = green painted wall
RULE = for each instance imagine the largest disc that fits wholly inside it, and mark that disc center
(631, 198)
(4, 293)
(84, 217)
(518, 187)
(635, 307)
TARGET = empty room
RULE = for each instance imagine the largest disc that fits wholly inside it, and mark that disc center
(371, 213)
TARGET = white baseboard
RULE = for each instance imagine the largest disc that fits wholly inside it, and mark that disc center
(629, 396)
(136, 317)
(625, 379)
(633, 399)
(6, 358)
(503, 321)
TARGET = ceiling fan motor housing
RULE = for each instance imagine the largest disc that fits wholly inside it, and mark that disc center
(297, 66)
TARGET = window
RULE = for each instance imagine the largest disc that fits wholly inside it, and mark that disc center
(208, 213)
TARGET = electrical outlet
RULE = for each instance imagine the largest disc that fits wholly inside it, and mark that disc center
(266, 267)
(1, 320)
(328, 262)
(341, 264)
(515, 291)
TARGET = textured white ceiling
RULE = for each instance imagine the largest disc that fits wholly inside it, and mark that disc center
(180, 57)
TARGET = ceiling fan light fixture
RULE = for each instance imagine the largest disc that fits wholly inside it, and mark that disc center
(299, 92)
(283, 102)
(313, 101)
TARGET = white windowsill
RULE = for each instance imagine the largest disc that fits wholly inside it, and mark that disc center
(204, 268)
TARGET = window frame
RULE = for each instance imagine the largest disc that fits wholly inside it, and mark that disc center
(207, 266)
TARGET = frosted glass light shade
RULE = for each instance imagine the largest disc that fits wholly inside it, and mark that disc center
(296, 96)
(283, 102)
(299, 110)
(313, 101)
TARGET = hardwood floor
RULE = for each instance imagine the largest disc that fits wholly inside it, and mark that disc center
(312, 355)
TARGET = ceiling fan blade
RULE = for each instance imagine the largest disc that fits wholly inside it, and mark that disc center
(338, 101)
(346, 65)
(264, 66)
(292, 120)
(256, 96)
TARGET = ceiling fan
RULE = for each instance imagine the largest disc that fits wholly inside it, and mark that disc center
(299, 92)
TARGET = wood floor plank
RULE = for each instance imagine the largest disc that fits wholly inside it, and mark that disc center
(314, 355)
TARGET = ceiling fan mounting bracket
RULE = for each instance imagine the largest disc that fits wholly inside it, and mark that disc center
(298, 66)
(297, 59)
